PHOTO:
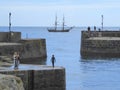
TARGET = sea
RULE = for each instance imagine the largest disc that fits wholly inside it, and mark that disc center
(81, 74)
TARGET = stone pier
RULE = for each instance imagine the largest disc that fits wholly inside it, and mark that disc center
(100, 44)
(38, 77)
(11, 42)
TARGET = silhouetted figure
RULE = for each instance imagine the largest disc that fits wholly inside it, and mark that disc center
(94, 28)
(16, 58)
(99, 29)
(53, 60)
(88, 28)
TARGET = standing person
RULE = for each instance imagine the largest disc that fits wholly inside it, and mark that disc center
(53, 60)
(16, 60)
(94, 28)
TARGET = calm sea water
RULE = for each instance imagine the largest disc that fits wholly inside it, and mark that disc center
(81, 74)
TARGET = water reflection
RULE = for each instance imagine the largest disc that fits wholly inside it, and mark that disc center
(100, 73)
(102, 57)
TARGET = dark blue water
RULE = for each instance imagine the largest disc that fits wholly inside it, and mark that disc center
(81, 74)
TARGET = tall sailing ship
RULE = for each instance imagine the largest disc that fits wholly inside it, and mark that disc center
(55, 29)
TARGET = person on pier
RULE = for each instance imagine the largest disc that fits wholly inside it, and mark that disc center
(16, 58)
(53, 60)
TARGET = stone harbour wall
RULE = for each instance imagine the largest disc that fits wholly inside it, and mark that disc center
(25, 76)
(101, 46)
(10, 36)
(34, 48)
(11, 42)
(87, 34)
(49, 79)
(8, 49)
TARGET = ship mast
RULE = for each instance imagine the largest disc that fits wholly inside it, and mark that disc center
(56, 22)
(63, 22)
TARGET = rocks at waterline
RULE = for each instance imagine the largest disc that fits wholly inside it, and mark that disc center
(10, 82)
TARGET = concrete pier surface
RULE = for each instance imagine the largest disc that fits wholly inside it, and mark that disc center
(31, 67)
(38, 77)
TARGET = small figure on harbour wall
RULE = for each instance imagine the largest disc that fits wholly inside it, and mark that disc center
(16, 58)
(53, 60)
(94, 28)
(99, 29)
(88, 28)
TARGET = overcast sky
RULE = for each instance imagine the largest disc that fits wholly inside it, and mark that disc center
(76, 12)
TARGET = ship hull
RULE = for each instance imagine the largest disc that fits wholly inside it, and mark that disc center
(58, 30)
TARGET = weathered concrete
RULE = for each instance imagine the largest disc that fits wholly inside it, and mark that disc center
(7, 49)
(39, 77)
(34, 48)
(10, 36)
(100, 44)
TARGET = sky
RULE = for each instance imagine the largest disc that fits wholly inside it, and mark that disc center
(76, 12)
